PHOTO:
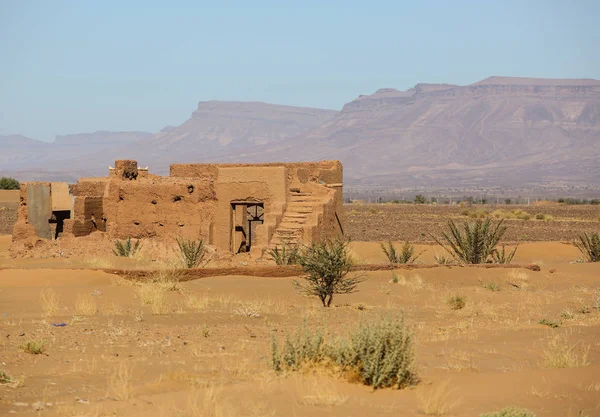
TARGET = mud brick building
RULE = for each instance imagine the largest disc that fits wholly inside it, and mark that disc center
(235, 207)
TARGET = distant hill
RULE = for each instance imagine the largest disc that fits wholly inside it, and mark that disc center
(501, 131)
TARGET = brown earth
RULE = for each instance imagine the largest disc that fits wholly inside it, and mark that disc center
(417, 222)
(203, 348)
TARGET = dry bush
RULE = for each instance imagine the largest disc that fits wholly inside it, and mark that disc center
(456, 302)
(34, 347)
(119, 385)
(153, 295)
(50, 302)
(435, 400)
(379, 354)
(85, 305)
(562, 354)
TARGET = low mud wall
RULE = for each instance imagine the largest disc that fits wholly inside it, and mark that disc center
(276, 271)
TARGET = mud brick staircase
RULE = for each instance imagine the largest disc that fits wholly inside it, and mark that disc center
(296, 219)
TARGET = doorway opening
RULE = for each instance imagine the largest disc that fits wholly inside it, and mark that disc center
(245, 216)
(57, 222)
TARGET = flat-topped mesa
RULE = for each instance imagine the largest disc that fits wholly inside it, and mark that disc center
(233, 207)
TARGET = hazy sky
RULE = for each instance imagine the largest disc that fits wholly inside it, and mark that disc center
(81, 66)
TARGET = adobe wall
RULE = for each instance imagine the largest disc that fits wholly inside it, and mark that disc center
(162, 207)
(195, 201)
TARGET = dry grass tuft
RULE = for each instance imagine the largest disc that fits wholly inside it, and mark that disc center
(415, 282)
(562, 354)
(34, 347)
(99, 263)
(50, 302)
(434, 400)
(518, 279)
(319, 392)
(194, 302)
(207, 403)
(119, 385)
(249, 309)
(153, 295)
(85, 305)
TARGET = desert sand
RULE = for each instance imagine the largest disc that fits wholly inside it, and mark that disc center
(202, 348)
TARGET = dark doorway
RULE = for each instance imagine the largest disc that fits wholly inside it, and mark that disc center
(245, 216)
(57, 222)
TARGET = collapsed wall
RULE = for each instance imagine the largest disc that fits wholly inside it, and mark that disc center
(234, 207)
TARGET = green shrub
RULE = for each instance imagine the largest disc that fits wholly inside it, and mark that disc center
(125, 248)
(35, 347)
(378, 354)
(406, 256)
(522, 215)
(5, 378)
(456, 302)
(420, 199)
(7, 183)
(477, 242)
(550, 323)
(589, 246)
(326, 264)
(192, 252)
(510, 412)
(502, 256)
(491, 286)
(287, 254)
(442, 259)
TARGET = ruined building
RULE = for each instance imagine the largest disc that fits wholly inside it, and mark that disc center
(234, 207)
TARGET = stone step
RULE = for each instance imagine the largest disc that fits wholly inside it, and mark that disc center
(300, 193)
(300, 207)
(305, 198)
(291, 225)
(295, 215)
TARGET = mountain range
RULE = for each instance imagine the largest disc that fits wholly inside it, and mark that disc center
(500, 131)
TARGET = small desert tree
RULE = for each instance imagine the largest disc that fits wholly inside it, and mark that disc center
(326, 265)
(7, 183)
(420, 199)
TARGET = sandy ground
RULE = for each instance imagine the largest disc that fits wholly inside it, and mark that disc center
(202, 348)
